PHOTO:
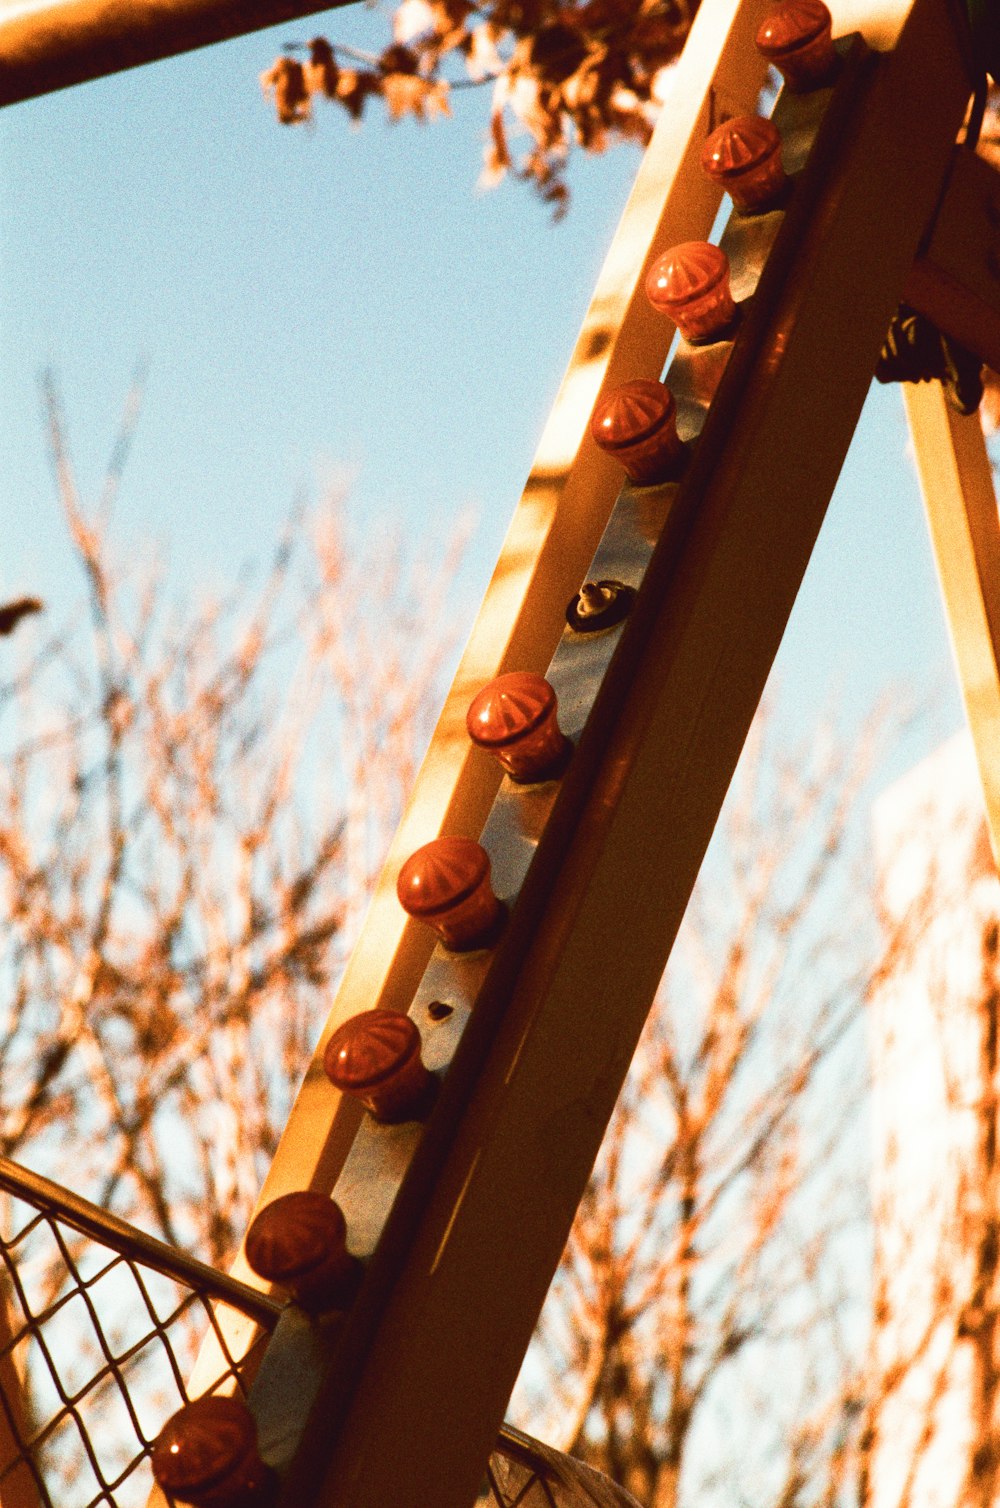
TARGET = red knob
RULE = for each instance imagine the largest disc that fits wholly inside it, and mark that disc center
(206, 1454)
(300, 1242)
(744, 156)
(375, 1057)
(690, 284)
(636, 423)
(447, 885)
(798, 39)
(514, 719)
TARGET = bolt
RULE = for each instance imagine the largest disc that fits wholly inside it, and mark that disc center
(599, 604)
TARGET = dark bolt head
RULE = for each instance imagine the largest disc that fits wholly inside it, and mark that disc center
(599, 604)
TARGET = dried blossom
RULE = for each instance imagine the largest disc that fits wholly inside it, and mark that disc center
(566, 77)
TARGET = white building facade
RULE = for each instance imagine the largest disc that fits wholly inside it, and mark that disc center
(935, 1022)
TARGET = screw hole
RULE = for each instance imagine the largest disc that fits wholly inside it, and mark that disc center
(439, 1011)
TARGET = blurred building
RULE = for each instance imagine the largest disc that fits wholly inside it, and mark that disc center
(934, 1037)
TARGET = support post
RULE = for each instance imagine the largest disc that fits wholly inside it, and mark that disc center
(957, 483)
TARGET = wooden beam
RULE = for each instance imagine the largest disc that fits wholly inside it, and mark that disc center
(957, 483)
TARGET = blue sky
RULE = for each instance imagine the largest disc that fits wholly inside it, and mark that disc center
(319, 301)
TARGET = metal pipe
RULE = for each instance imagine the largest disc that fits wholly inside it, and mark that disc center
(51, 44)
(90, 1220)
(568, 1483)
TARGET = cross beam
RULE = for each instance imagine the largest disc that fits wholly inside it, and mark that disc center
(51, 44)
(956, 279)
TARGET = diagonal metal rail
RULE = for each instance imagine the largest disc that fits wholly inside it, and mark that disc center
(96, 1320)
(128, 1241)
(470, 1271)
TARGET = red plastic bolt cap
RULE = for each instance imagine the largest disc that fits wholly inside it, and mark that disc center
(300, 1241)
(637, 424)
(744, 156)
(375, 1057)
(447, 885)
(690, 284)
(514, 718)
(206, 1454)
(798, 39)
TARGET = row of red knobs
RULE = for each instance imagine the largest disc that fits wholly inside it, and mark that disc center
(207, 1454)
(446, 883)
(299, 1240)
(636, 423)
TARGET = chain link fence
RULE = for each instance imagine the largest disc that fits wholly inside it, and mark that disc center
(99, 1324)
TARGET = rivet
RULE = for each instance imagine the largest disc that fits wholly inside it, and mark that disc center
(690, 284)
(299, 1242)
(637, 424)
(796, 38)
(206, 1455)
